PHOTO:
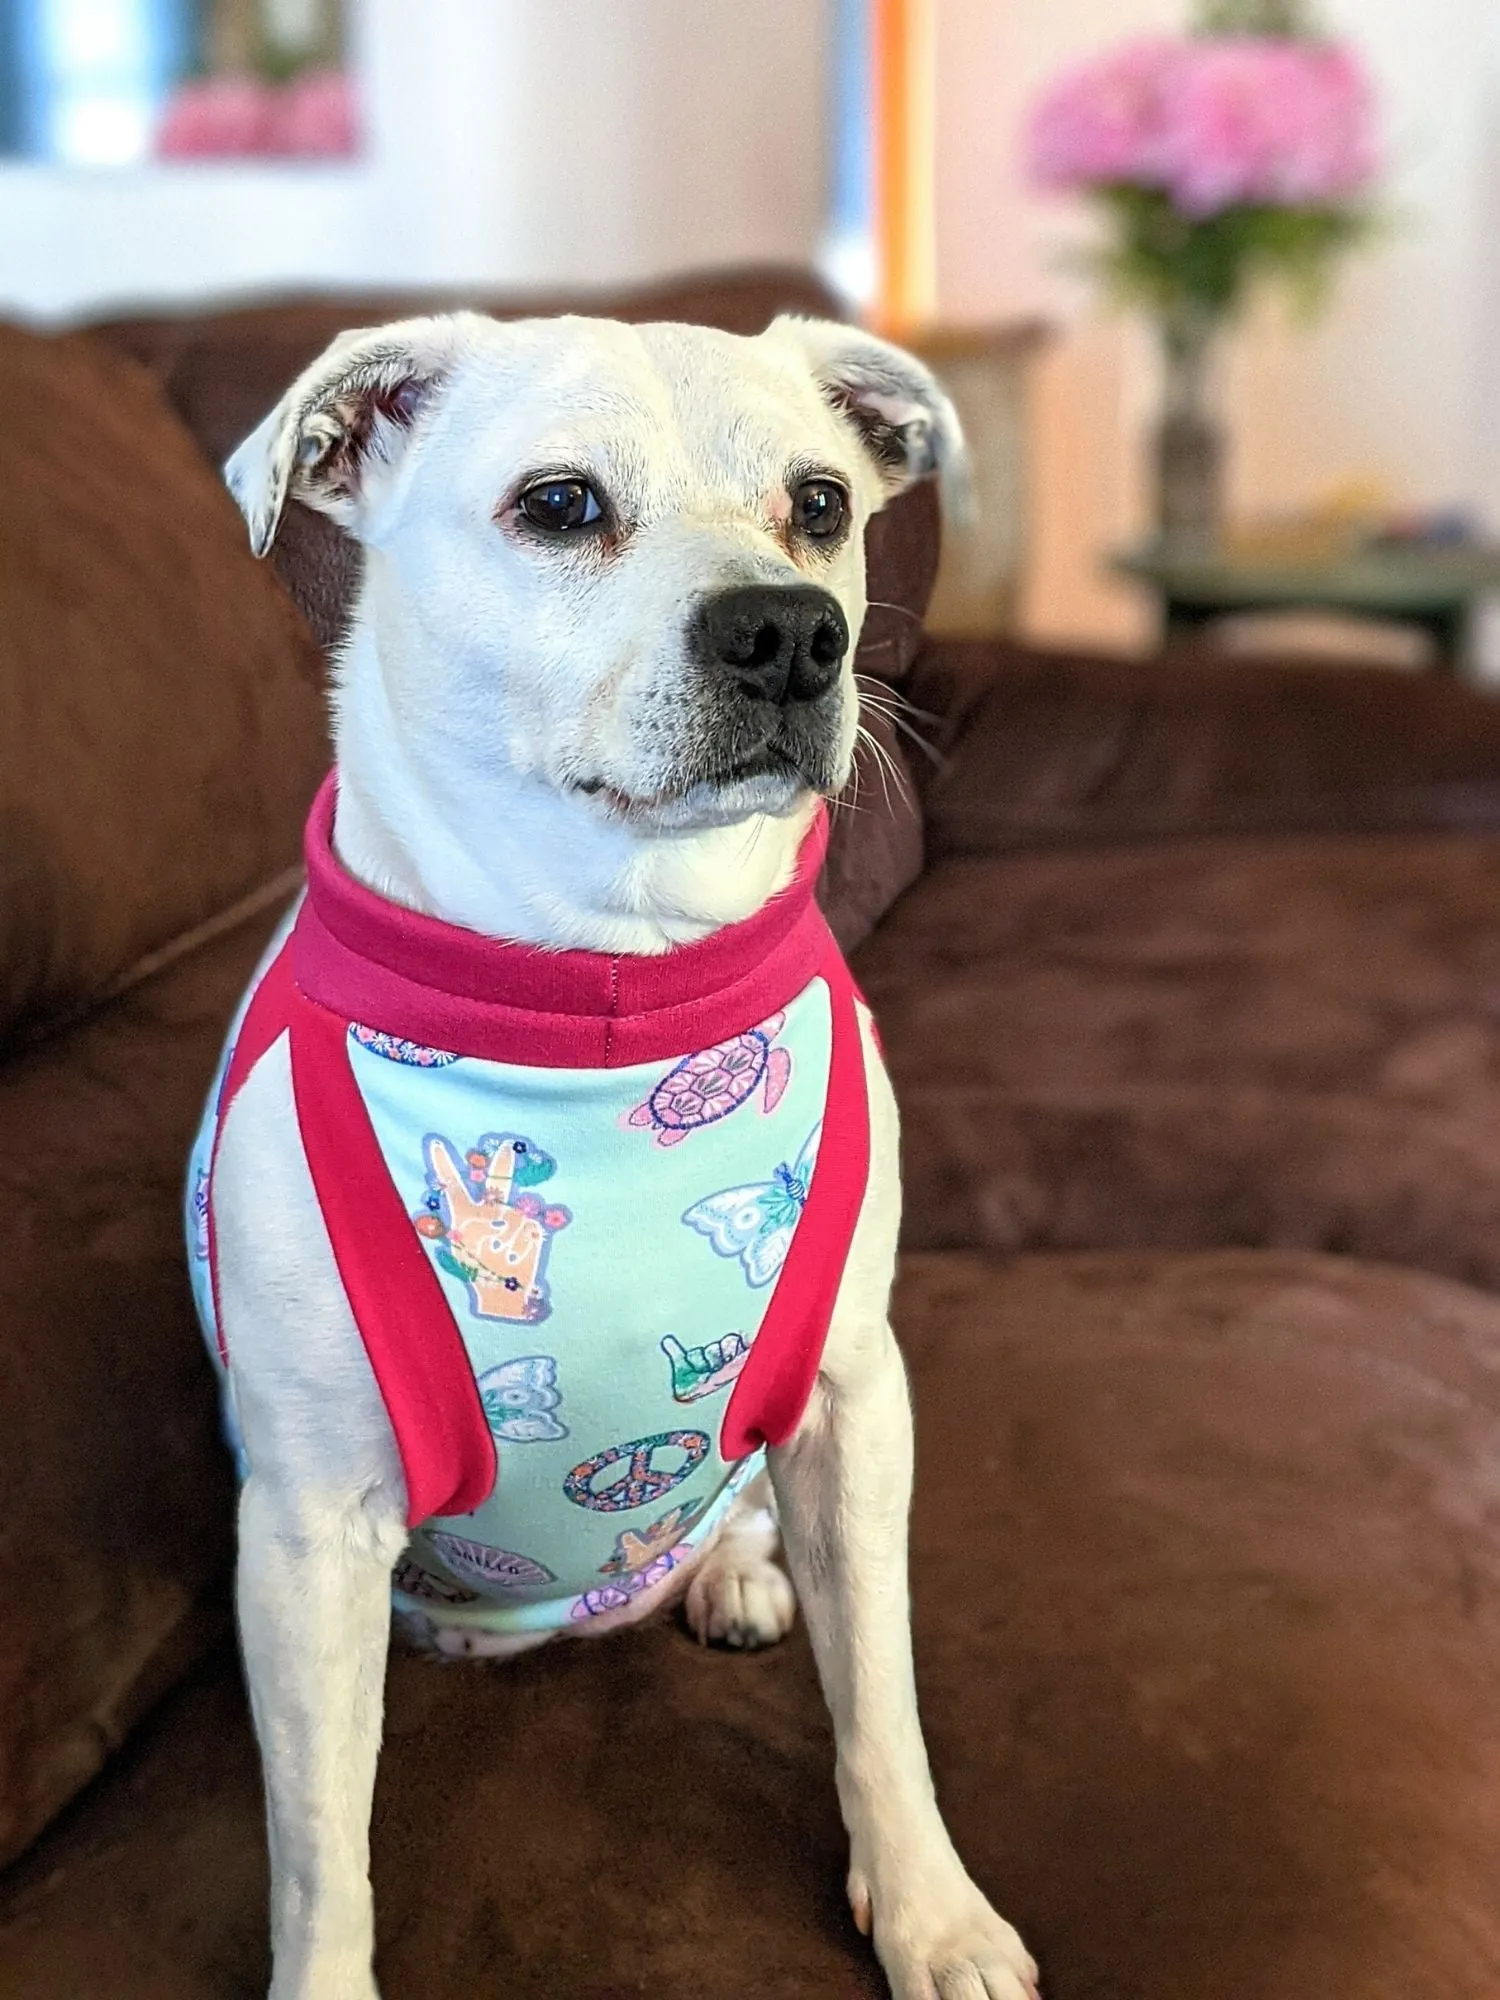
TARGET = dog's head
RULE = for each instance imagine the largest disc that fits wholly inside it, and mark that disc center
(625, 562)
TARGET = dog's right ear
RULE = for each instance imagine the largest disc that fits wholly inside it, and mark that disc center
(338, 435)
(894, 403)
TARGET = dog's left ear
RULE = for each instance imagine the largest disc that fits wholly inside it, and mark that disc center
(903, 416)
(337, 436)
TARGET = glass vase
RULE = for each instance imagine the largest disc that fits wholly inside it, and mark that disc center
(1190, 443)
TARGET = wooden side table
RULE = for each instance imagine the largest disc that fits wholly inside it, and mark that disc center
(1433, 590)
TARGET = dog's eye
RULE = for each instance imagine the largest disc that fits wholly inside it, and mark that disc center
(819, 509)
(561, 505)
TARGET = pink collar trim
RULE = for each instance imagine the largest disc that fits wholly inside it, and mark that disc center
(409, 975)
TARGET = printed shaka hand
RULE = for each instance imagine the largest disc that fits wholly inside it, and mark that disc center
(699, 1371)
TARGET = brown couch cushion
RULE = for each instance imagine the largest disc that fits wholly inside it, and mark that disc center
(161, 722)
(1056, 748)
(115, 1491)
(1290, 1041)
(875, 836)
(876, 847)
(1204, 1565)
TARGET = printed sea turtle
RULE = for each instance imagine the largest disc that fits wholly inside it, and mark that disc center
(709, 1085)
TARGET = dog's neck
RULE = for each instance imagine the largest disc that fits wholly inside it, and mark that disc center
(516, 859)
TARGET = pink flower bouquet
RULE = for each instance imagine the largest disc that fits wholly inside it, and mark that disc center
(311, 116)
(218, 117)
(1217, 155)
(1246, 149)
(318, 117)
(1212, 123)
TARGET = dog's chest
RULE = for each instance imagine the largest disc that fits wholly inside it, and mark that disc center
(607, 1242)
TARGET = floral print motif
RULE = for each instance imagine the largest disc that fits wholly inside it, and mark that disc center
(633, 1584)
(396, 1048)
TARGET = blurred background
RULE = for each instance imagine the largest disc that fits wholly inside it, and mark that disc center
(189, 151)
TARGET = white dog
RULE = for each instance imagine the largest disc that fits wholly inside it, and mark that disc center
(598, 681)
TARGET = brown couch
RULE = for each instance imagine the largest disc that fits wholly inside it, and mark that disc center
(1195, 1016)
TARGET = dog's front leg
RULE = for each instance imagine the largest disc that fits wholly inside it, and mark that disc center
(322, 1524)
(314, 1609)
(843, 1486)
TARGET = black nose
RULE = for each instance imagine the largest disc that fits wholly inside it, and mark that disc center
(782, 642)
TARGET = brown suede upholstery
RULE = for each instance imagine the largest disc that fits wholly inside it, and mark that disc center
(1206, 1627)
(163, 736)
(1053, 748)
(162, 721)
(115, 1496)
(876, 840)
(1289, 1041)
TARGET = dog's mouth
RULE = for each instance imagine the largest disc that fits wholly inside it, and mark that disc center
(768, 780)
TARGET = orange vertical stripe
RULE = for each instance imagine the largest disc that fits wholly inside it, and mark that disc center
(902, 99)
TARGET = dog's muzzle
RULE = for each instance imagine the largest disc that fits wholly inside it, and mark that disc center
(779, 643)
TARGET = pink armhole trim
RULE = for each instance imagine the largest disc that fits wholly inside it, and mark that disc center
(776, 1383)
(265, 1020)
(415, 1348)
(414, 1344)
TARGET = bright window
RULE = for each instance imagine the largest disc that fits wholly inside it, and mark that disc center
(849, 258)
(90, 76)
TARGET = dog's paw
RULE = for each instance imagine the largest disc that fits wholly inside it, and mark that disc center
(741, 1599)
(942, 1938)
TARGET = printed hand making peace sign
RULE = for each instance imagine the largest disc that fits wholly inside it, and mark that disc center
(492, 1238)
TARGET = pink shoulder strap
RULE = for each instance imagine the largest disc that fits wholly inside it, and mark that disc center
(414, 1346)
(767, 1402)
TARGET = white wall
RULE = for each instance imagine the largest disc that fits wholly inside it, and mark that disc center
(512, 142)
(1400, 380)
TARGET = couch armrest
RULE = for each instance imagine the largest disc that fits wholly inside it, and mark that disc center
(1049, 748)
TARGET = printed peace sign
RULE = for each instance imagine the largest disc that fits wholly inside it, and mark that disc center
(641, 1479)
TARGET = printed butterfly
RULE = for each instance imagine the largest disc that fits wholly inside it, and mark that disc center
(756, 1223)
(519, 1397)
